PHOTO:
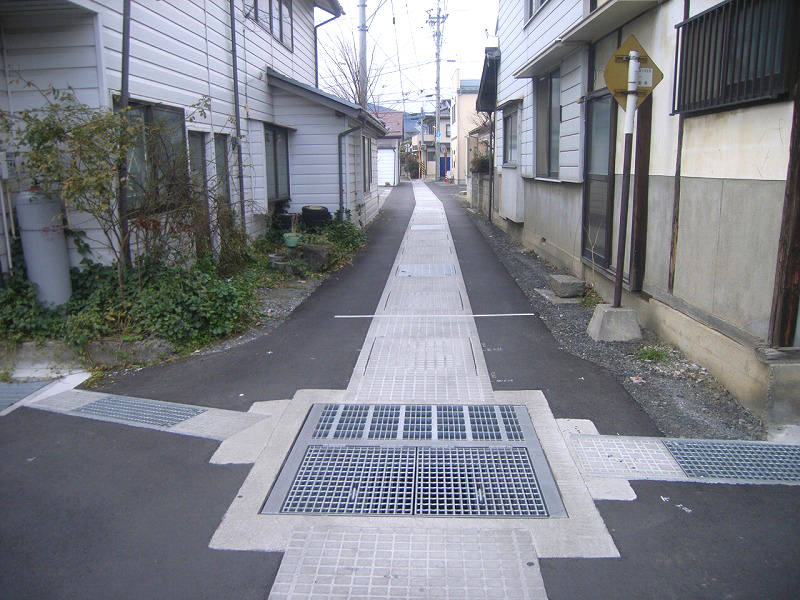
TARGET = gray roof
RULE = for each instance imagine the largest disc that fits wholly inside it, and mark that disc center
(317, 95)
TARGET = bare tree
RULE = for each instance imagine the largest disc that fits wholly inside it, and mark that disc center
(342, 74)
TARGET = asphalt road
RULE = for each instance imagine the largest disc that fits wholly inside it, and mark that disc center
(98, 510)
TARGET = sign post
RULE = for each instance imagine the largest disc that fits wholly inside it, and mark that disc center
(629, 65)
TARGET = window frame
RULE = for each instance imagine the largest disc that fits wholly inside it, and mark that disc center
(150, 154)
(715, 58)
(366, 162)
(546, 115)
(510, 123)
(271, 17)
(277, 197)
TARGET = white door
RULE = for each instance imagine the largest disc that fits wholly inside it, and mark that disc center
(387, 166)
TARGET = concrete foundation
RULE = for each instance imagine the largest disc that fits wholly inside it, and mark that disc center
(611, 324)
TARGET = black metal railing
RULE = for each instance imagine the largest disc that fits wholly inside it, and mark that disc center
(739, 52)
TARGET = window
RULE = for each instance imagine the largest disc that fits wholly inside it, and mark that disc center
(532, 6)
(431, 155)
(447, 130)
(548, 124)
(366, 163)
(276, 155)
(222, 170)
(274, 15)
(510, 138)
(739, 52)
(157, 166)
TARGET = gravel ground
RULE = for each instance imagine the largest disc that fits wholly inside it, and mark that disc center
(682, 398)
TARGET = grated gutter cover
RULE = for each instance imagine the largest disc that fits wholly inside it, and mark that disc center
(148, 412)
(752, 461)
(416, 459)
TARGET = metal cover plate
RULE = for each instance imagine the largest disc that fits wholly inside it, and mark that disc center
(425, 270)
(159, 414)
(416, 459)
(477, 482)
(353, 480)
(751, 461)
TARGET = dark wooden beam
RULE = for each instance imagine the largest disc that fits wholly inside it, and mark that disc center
(786, 295)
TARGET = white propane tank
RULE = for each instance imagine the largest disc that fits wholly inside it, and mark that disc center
(44, 245)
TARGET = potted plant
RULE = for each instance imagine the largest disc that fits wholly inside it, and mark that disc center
(292, 238)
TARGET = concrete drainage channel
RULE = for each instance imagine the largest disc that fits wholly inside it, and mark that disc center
(423, 460)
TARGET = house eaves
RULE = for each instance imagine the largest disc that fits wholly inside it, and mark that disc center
(330, 6)
(309, 92)
(487, 90)
(598, 24)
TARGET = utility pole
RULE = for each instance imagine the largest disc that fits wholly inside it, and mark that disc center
(362, 53)
(437, 23)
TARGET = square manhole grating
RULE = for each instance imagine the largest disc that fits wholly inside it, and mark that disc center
(750, 461)
(339, 480)
(416, 459)
(477, 482)
(137, 410)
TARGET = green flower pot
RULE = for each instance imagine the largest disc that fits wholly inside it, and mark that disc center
(291, 239)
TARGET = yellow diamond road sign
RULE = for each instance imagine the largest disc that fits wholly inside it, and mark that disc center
(616, 73)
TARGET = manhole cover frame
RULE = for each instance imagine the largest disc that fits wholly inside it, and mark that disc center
(281, 486)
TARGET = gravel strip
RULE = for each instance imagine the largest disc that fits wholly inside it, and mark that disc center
(682, 398)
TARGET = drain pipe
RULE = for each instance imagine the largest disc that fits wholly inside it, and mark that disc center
(316, 49)
(341, 171)
(491, 165)
(237, 115)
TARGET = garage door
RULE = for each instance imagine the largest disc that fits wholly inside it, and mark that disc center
(387, 166)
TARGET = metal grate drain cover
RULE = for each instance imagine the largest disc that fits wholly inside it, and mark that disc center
(353, 480)
(416, 459)
(477, 481)
(737, 460)
(418, 422)
(149, 412)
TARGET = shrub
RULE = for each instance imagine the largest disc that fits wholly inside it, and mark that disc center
(480, 163)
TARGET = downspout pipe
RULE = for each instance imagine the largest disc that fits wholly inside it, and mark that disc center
(124, 98)
(316, 49)
(342, 135)
(237, 114)
(491, 165)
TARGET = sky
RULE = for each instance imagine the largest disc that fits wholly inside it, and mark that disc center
(405, 46)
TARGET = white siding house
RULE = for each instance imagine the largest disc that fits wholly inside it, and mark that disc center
(709, 263)
(181, 53)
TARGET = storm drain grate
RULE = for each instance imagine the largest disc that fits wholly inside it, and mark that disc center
(418, 422)
(477, 482)
(159, 414)
(385, 422)
(416, 459)
(326, 420)
(353, 480)
(513, 427)
(352, 422)
(484, 423)
(451, 422)
(737, 460)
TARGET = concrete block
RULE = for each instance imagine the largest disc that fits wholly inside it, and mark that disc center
(566, 286)
(610, 324)
(317, 257)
